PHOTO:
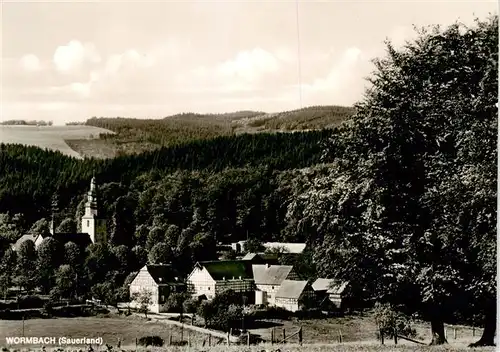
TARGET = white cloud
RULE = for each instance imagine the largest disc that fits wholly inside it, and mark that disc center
(249, 65)
(338, 74)
(73, 55)
(128, 60)
(30, 62)
(400, 34)
(245, 72)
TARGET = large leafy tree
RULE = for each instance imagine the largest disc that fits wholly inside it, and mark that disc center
(385, 216)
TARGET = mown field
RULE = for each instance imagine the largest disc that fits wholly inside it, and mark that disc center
(50, 137)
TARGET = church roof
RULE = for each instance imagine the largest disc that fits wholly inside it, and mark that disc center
(80, 239)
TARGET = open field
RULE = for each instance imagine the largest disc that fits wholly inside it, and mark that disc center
(345, 347)
(356, 329)
(50, 137)
(110, 329)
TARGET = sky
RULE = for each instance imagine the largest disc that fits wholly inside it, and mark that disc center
(69, 61)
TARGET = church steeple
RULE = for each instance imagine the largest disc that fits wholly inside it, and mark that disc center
(91, 224)
(91, 203)
(54, 210)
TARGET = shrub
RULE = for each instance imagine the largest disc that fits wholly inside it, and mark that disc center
(156, 341)
(389, 320)
(191, 305)
(175, 302)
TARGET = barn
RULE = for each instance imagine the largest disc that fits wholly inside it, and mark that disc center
(294, 295)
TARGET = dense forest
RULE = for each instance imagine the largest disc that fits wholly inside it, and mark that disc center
(399, 200)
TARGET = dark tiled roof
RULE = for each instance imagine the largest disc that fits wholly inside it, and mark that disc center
(164, 274)
(80, 239)
(228, 269)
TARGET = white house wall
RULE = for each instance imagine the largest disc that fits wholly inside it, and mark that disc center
(289, 304)
(270, 291)
(201, 283)
(142, 281)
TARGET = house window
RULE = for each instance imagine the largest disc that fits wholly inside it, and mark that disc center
(88, 223)
(209, 288)
(272, 287)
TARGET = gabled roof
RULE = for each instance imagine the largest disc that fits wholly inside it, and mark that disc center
(329, 285)
(265, 257)
(291, 289)
(228, 269)
(163, 273)
(270, 274)
(22, 239)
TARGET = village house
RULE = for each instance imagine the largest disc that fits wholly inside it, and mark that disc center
(213, 277)
(294, 295)
(160, 280)
(36, 238)
(329, 289)
(268, 280)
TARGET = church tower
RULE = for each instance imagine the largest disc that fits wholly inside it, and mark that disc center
(91, 224)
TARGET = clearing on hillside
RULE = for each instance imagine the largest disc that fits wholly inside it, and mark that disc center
(50, 137)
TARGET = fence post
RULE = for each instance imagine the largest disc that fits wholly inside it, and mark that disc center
(284, 336)
(454, 333)
(473, 331)
(395, 336)
(382, 336)
(209, 340)
(300, 336)
(170, 340)
(272, 336)
(228, 337)
(340, 336)
(248, 338)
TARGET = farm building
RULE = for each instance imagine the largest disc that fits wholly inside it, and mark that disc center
(327, 288)
(160, 280)
(212, 277)
(294, 295)
(268, 279)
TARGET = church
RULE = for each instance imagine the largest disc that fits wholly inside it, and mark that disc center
(93, 229)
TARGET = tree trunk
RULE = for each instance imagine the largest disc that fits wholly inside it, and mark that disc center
(490, 324)
(437, 330)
